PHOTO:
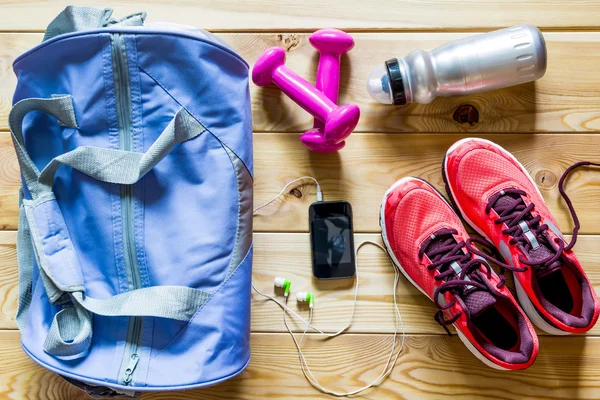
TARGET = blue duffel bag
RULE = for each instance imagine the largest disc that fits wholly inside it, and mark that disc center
(135, 227)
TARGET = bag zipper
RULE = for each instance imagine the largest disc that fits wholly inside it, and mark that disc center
(124, 119)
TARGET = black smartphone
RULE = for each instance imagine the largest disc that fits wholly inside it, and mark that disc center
(332, 240)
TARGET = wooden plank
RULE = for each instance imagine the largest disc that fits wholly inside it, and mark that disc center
(430, 367)
(10, 184)
(565, 99)
(298, 14)
(21, 378)
(370, 163)
(288, 255)
(9, 279)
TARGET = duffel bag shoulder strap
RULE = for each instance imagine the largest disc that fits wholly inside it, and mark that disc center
(45, 233)
(77, 18)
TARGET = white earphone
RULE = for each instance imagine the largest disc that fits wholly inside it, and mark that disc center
(284, 284)
(301, 297)
(307, 297)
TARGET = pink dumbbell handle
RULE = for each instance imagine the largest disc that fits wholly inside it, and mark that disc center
(328, 76)
(328, 80)
(303, 93)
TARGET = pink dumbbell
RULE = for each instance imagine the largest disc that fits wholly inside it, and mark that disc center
(315, 141)
(339, 120)
(331, 44)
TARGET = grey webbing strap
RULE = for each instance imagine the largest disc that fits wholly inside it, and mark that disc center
(124, 167)
(25, 264)
(172, 302)
(135, 19)
(26, 243)
(71, 330)
(61, 108)
(70, 334)
(76, 18)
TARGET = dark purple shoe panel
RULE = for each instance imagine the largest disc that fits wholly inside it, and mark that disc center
(555, 296)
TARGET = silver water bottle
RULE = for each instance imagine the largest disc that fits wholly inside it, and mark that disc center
(473, 64)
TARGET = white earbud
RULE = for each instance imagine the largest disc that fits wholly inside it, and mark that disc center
(284, 284)
(305, 297)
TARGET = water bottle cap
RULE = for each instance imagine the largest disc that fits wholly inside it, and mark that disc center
(378, 85)
(396, 82)
(385, 83)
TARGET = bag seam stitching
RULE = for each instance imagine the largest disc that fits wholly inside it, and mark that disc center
(193, 116)
(100, 31)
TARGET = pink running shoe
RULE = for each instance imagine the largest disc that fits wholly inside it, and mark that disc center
(497, 197)
(428, 243)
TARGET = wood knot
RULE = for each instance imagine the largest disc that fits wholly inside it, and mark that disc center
(545, 179)
(288, 41)
(466, 114)
(296, 192)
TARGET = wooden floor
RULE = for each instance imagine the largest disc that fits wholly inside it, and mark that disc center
(547, 125)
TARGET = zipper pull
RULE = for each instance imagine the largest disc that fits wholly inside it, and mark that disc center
(131, 367)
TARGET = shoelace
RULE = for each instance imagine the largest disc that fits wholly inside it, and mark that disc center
(516, 211)
(512, 214)
(448, 252)
(451, 251)
(561, 190)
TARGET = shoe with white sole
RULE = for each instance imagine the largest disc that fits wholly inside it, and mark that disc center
(428, 243)
(497, 197)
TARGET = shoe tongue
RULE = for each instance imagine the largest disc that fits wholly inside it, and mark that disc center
(478, 301)
(505, 201)
(541, 253)
(538, 254)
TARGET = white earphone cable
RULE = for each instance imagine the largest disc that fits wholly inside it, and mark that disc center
(387, 369)
(389, 365)
(284, 306)
(319, 192)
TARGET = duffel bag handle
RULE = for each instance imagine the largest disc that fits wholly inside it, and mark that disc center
(106, 165)
(125, 167)
(77, 18)
(45, 234)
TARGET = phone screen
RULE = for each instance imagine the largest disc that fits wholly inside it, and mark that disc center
(332, 240)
